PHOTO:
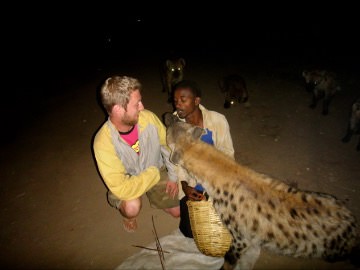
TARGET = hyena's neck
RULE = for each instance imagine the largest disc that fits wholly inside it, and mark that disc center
(206, 162)
(215, 170)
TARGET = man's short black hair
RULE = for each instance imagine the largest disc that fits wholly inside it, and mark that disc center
(188, 84)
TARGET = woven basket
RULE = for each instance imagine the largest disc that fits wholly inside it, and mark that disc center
(210, 235)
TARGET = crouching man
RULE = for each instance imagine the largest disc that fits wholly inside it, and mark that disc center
(131, 153)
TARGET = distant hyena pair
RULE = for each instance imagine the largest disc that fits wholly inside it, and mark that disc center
(234, 88)
(262, 212)
(172, 73)
(323, 85)
(353, 123)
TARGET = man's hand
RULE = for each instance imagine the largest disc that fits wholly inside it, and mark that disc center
(172, 188)
(191, 192)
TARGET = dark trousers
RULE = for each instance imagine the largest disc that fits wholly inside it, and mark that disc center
(184, 225)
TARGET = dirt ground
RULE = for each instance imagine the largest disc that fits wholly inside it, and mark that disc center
(54, 213)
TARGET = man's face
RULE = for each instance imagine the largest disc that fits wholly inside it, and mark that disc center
(135, 105)
(185, 102)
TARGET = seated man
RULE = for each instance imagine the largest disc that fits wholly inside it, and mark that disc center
(187, 99)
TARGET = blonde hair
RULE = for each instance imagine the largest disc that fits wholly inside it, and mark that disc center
(117, 90)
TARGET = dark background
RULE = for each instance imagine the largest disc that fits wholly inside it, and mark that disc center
(64, 36)
(54, 212)
(49, 46)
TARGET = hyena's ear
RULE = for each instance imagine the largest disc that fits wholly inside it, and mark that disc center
(168, 63)
(197, 132)
(175, 156)
(169, 119)
(182, 62)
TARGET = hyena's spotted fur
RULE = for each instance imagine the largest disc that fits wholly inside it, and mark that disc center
(353, 123)
(173, 73)
(262, 212)
(323, 85)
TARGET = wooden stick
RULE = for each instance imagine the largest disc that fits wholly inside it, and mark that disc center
(158, 246)
(149, 248)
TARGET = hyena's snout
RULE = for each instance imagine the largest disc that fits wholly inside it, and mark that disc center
(176, 74)
(310, 86)
(229, 102)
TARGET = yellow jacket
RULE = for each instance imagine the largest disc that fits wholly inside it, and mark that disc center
(127, 174)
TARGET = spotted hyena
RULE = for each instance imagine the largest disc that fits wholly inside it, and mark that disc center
(173, 72)
(262, 212)
(353, 123)
(323, 85)
(234, 88)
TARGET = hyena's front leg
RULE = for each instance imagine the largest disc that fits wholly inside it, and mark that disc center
(348, 135)
(240, 259)
(313, 103)
(326, 104)
(317, 95)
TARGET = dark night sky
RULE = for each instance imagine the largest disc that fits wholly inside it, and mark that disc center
(50, 31)
(44, 44)
(60, 37)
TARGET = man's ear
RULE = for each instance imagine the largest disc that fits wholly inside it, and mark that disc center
(197, 101)
(117, 109)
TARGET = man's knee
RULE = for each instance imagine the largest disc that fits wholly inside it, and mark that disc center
(130, 208)
(175, 211)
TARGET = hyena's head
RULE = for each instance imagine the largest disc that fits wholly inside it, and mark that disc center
(175, 69)
(313, 78)
(179, 134)
(234, 88)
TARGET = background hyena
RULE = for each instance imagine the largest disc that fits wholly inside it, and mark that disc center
(262, 212)
(234, 88)
(323, 85)
(353, 123)
(173, 72)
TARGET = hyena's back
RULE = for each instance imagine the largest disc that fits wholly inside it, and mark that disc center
(286, 220)
(266, 212)
(262, 212)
